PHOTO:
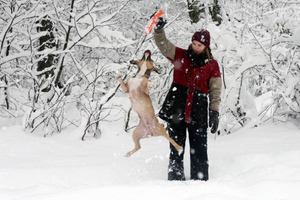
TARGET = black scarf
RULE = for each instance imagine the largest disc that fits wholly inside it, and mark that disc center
(198, 59)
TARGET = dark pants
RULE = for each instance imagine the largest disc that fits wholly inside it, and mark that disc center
(198, 152)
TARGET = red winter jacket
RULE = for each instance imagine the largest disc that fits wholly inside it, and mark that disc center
(187, 97)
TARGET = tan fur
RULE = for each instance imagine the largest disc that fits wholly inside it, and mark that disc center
(138, 90)
(215, 87)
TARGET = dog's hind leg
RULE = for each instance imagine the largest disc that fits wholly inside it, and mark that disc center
(177, 146)
(136, 137)
(137, 146)
(162, 132)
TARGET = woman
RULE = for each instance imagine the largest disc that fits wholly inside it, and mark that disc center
(196, 77)
(138, 89)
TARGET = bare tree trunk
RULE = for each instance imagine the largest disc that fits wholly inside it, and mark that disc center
(61, 64)
(9, 30)
(6, 92)
(127, 119)
(5, 78)
(46, 42)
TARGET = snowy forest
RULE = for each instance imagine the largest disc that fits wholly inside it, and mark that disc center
(65, 123)
(59, 59)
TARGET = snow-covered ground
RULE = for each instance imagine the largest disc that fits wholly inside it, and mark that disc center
(261, 163)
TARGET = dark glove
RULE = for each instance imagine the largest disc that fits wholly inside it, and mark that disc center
(213, 120)
(161, 23)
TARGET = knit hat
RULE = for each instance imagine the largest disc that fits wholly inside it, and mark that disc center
(202, 36)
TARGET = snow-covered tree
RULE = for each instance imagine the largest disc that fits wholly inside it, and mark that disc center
(65, 75)
(259, 53)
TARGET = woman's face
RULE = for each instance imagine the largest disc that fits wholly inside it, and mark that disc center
(146, 54)
(197, 47)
